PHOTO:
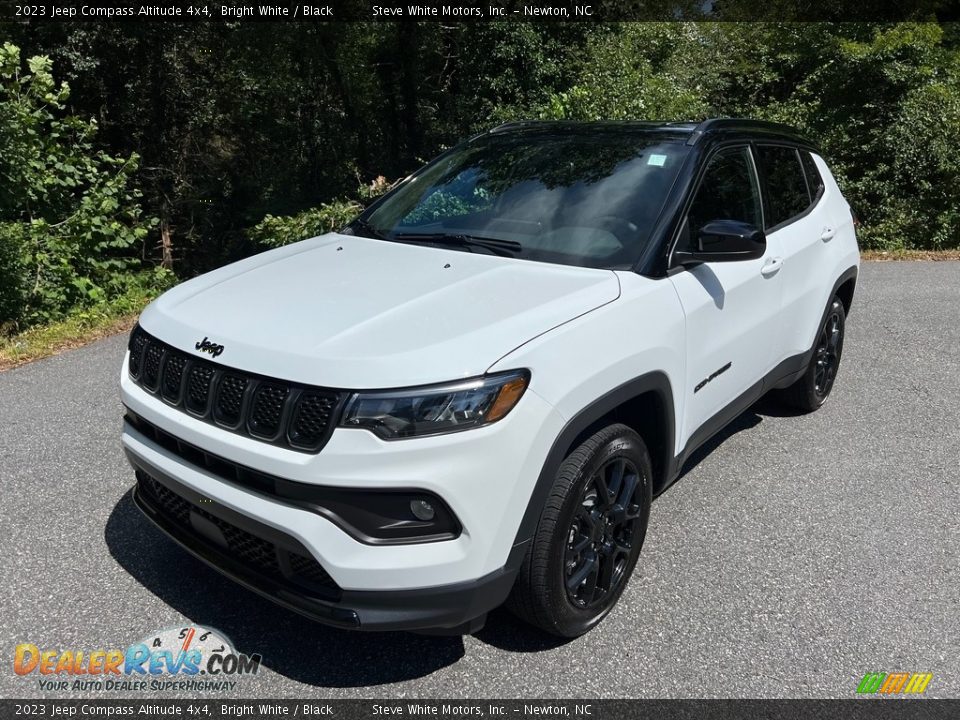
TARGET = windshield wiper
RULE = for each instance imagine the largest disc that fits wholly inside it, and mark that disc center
(368, 229)
(506, 248)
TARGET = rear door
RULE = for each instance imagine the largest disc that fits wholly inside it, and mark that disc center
(799, 220)
(731, 308)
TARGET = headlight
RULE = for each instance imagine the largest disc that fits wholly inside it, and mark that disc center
(434, 409)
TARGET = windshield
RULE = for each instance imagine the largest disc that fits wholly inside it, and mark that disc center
(588, 199)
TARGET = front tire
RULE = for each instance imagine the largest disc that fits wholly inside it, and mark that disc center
(589, 535)
(813, 388)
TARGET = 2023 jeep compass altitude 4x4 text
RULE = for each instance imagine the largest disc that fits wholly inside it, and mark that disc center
(471, 394)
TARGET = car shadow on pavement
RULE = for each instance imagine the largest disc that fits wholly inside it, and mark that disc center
(290, 644)
(744, 421)
(505, 631)
(767, 406)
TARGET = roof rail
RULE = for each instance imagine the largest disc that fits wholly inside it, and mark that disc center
(696, 130)
(519, 124)
(652, 124)
(712, 124)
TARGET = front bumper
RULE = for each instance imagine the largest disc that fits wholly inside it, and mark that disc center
(485, 476)
(487, 483)
(460, 607)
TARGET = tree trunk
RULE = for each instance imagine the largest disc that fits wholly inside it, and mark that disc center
(166, 246)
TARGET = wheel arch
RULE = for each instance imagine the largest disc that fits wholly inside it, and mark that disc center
(848, 283)
(843, 287)
(644, 404)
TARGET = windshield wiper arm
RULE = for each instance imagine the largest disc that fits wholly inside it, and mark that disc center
(506, 248)
(369, 229)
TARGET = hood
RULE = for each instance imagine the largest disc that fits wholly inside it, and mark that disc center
(354, 313)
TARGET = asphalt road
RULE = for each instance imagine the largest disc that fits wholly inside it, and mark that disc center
(795, 555)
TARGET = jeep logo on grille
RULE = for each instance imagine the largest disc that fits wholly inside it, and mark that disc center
(208, 347)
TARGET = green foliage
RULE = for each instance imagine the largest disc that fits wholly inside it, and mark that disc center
(882, 101)
(238, 129)
(924, 164)
(442, 203)
(636, 71)
(69, 222)
(275, 231)
(12, 294)
(82, 324)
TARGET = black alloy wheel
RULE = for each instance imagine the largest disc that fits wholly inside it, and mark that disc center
(812, 389)
(602, 533)
(589, 534)
(827, 354)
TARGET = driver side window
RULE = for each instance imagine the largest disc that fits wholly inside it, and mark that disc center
(729, 190)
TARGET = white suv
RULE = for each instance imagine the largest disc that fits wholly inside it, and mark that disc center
(470, 395)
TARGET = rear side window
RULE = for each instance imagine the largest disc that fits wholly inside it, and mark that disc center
(786, 184)
(814, 181)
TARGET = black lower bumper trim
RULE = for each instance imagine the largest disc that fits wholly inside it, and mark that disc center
(435, 608)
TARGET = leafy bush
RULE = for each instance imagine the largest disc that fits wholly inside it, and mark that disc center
(275, 231)
(633, 73)
(884, 104)
(70, 223)
(11, 276)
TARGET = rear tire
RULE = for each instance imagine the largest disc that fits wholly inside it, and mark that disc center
(589, 535)
(813, 388)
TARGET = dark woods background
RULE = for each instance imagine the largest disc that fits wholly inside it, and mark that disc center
(177, 149)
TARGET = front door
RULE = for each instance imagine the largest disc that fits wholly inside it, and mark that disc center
(731, 308)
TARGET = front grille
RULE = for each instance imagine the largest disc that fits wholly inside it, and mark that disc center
(308, 569)
(251, 549)
(150, 366)
(300, 417)
(230, 391)
(137, 342)
(198, 388)
(255, 553)
(310, 418)
(267, 412)
(175, 506)
(173, 376)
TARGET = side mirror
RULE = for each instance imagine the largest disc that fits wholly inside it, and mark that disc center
(724, 241)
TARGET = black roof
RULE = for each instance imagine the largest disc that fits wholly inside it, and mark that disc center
(694, 132)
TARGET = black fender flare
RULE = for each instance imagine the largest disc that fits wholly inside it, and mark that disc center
(792, 368)
(849, 274)
(656, 382)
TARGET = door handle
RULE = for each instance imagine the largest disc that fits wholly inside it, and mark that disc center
(827, 234)
(771, 267)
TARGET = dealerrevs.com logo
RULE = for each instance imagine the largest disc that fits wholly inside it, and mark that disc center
(188, 658)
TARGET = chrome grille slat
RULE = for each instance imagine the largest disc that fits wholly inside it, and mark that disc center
(291, 415)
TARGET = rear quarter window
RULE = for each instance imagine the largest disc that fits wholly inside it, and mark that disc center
(814, 180)
(785, 183)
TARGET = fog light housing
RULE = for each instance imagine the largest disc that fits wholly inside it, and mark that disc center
(422, 509)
